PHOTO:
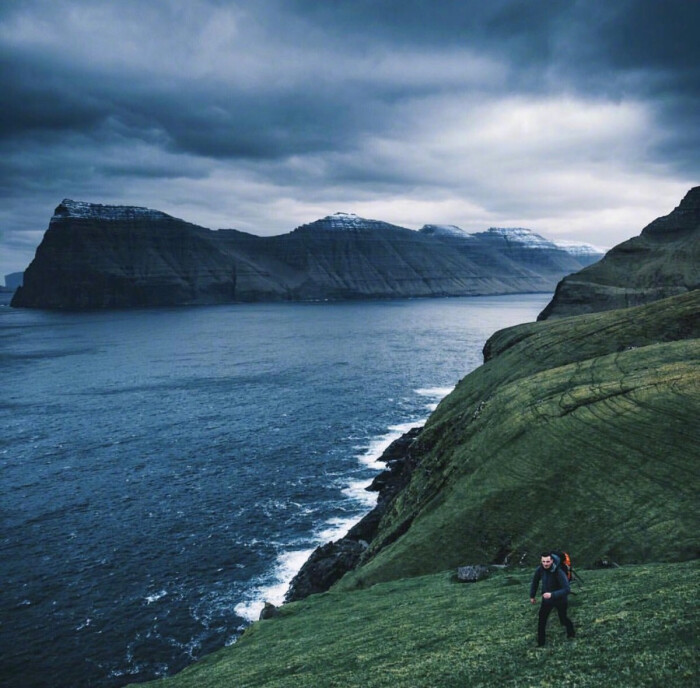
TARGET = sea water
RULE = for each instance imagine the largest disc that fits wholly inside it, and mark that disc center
(164, 472)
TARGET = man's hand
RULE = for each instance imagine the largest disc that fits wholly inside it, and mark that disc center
(547, 595)
(532, 600)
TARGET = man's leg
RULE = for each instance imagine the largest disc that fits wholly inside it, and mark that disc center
(545, 609)
(564, 620)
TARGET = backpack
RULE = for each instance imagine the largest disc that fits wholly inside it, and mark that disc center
(563, 562)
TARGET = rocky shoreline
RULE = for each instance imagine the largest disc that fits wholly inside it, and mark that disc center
(330, 562)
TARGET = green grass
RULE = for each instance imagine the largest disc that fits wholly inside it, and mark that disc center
(635, 625)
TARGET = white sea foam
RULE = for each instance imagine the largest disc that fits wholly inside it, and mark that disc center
(434, 391)
(437, 394)
(289, 563)
(378, 446)
(155, 596)
(336, 528)
(357, 490)
(286, 567)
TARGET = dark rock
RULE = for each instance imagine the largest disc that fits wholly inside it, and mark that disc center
(397, 457)
(330, 562)
(663, 261)
(269, 611)
(324, 567)
(96, 256)
(472, 574)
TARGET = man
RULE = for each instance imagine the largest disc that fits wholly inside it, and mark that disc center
(555, 591)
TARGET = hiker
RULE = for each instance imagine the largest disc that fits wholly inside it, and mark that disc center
(555, 591)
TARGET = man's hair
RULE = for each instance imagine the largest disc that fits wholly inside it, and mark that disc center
(545, 554)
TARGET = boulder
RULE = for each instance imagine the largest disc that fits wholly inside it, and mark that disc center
(324, 567)
(472, 573)
(269, 611)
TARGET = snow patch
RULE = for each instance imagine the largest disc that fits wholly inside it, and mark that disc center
(446, 230)
(580, 248)
(521, 235)
(81, 209)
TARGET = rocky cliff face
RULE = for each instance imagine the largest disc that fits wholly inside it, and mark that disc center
(95, 256)
(663, 261)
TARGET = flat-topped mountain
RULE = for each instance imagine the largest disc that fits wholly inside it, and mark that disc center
(662, 261)
(98, 256)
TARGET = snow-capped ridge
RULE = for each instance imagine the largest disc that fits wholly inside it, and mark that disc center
(81, 209)
(346, 222)
(446, 230)
(580, 248)
(342, 220)
(521, 235)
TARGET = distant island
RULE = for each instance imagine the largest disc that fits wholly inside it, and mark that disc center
(97, 256)
(14, 280)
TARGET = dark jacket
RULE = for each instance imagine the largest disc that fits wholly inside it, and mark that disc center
(553, 580)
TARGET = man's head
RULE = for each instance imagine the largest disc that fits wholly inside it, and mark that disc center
(546, 560)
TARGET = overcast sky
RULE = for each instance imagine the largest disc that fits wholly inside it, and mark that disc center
(578, 119)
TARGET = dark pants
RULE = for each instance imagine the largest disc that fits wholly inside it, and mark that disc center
(545, 610)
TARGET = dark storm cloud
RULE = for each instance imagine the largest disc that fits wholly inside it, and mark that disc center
(296, 108)
(276, 108)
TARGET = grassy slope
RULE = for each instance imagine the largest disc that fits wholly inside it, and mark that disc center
(663, 260)
(635, 627)
(579, 432)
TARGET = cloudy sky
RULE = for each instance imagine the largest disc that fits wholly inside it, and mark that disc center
(578, 119)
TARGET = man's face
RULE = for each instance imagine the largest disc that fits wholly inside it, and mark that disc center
(547, 562)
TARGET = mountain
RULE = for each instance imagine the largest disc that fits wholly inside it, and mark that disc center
(582, 250)
(663, 260)
(580, 431)
(14, 280)
(96, 256)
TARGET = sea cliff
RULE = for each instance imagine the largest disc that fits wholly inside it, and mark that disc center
(95, 256)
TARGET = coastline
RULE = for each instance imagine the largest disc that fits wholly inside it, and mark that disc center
(331, 561)
(339, 543)
(337, 536)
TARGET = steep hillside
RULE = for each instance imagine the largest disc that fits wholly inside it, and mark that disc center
(636, 626)
(95, 256)
(664, 260)
(580, 431)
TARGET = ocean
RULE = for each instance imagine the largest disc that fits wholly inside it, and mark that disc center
(166, 471)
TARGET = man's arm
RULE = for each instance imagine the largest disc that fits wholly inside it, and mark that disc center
(535, 583)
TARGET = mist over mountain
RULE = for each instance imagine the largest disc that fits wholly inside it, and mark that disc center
(97, 256)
